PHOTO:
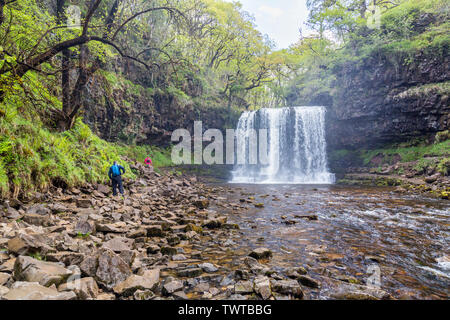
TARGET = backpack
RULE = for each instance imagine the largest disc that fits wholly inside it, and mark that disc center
(115, 170)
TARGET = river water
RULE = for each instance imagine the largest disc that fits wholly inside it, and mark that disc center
(360, 233)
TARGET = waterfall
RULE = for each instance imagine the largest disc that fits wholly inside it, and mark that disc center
(291, 148)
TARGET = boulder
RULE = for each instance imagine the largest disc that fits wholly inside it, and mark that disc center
(260, 253)
(103, 189)
(38, 219)
(173, 240)
(289, 287)
(179, 257)
(189, 272)
(45, 273)
(12, 213)
(143, 295)
(153, 248)
(24, 244)
(84, 288)
(84, 226)
(262, 287)
(308, 281)
(171, 287)
(119, 244)
(154, 231)
(208, 267)
(243, 287)
(40, 209)
(111, 268)
(180, 295)
(84, 203)
(201, 203)
(128, 256)
(359, 292)
(34, 291)
(214, 223)
(66, 257)
(170, 251)
(147, 281)
(3, 290)
(141, 232)
(4, 278)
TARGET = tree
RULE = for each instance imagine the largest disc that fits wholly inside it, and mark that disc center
(101, 25)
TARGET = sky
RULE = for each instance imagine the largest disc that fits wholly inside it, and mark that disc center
(280, 19)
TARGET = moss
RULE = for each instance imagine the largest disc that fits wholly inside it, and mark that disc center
(410, 151)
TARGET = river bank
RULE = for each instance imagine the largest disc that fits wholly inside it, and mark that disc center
(175, 237)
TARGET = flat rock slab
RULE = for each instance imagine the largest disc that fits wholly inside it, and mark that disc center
(119, 244)
(45, 273)
(172, 287)
(148, 281)
(34, 291)
(359, 292)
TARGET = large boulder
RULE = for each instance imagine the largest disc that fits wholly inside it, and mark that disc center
(147, 281)
(34, 291)
(262, 287)
(25, 244)
(111, 269)
(45, 273)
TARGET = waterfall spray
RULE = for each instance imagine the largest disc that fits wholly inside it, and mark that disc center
(296, 147)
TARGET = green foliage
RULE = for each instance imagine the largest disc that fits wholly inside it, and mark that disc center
(409, 153)
(410, 28)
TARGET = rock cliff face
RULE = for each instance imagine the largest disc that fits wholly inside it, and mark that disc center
(132, 114)
(381, 102)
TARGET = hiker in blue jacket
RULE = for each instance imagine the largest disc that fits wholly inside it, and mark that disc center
(114, 174)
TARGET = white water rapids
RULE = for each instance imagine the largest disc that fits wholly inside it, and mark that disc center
(293, 147)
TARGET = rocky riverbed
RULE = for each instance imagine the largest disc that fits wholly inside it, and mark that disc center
(171, 237)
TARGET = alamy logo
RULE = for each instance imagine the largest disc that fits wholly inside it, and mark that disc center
(213, 153)
(73, 16)
(374, 281)
(373, 16)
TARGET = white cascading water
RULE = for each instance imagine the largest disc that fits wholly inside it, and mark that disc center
(296, 147)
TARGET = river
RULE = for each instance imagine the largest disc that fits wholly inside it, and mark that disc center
(360, 233)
